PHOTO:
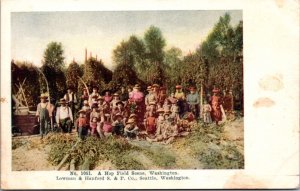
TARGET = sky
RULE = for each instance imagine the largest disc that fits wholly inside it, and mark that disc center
(101, 32)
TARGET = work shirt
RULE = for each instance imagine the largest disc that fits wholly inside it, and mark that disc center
(70, 97)
(63, 112)
(193, 99)
(179, 95)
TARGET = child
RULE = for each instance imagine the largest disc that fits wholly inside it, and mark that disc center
(131, 129)
(118, 125)
(81, 125)
(151, 124)
(166, 105)
(206, 110)
(94, 112)
(107, 126)
(159, 121)
(93, 126)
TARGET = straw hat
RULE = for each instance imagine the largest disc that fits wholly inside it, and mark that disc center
(81, 111)
(152, 103)
(149, 88)
(100, 98)
(116, 94)
(160, 110)
(155, 85)
(44, 96)
(132, 115)
(130, 121)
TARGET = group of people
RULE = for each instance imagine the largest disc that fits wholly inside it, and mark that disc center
(156, 115)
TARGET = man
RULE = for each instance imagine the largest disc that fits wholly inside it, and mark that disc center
(93, 95)
(71, 98)
(124, 96)
(150, 97)
(193, 101)
(44, 113)
(179, 95)
(64, 117)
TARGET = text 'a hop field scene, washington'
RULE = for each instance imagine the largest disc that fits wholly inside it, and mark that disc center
(127, 90)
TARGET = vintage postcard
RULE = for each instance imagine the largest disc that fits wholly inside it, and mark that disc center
(154, 95)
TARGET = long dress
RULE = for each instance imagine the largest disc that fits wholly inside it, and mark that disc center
(216, 109)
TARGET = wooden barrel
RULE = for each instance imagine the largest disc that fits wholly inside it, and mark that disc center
(26, 123)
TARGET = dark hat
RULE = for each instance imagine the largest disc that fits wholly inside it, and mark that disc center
(62, 100)
(192, 88)
(94, 105)
(120, 102)
(162, 88)
(95, 87)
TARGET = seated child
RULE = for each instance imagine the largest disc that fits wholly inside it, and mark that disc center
(131, 129)
(151, 124)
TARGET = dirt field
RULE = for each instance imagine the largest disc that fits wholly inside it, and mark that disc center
(30, 153)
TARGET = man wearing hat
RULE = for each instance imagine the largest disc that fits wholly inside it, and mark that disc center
(71, 99)
(162, 96)
(193, 101)
(150, 97)
(44, 113)
(118, 125)
(180, 97)
(131, 129)
(216, 102)
(64, 117)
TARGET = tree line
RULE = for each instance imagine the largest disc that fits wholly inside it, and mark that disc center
(217, 62)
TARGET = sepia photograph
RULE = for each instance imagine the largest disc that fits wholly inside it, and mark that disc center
(127, 90)
(129, 94)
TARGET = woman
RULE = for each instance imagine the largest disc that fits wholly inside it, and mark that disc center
(216, 103)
